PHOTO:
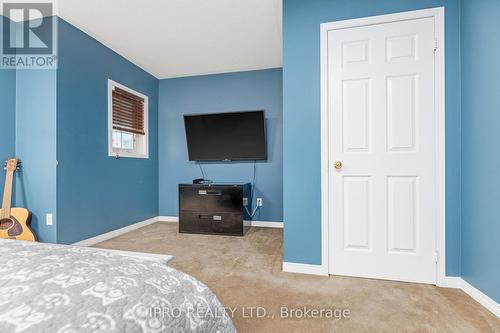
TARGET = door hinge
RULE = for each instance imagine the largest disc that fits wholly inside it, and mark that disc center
(436, 257)
(436, 44)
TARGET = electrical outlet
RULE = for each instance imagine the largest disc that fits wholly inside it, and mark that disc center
(259, 202)
(48, 219)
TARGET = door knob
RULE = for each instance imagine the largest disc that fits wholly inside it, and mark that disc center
(337, 165)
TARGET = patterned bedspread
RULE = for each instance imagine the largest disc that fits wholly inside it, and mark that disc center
(63, 289)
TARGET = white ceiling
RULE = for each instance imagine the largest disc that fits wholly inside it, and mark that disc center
(173, 38)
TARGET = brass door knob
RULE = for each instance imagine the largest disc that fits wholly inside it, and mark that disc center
(337, 165)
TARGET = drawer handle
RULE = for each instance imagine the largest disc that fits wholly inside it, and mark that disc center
(209, 192)
(210, 217)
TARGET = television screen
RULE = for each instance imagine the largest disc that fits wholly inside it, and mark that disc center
(226, 136)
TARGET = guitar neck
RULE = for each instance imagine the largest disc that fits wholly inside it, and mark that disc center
(7, 195)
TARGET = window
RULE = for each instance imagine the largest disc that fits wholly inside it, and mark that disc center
(128, 122)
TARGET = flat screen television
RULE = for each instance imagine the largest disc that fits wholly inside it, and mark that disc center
(233, 136)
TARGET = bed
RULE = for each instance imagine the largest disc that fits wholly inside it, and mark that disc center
(66, 289)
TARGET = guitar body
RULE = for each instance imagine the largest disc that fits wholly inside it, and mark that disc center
(14, 222)
(17, 225)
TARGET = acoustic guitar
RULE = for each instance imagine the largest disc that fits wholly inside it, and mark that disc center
(14, 222)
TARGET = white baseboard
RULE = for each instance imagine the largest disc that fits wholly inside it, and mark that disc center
(171, 219)
(265, 224)
(114, 233)
(174, 219)
(459, 283)
(261, 224)
(291, 267)
(480, 297)
(450, 282)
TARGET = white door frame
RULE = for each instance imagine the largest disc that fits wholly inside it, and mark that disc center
(438, 15)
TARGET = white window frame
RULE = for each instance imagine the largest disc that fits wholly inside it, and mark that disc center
(141, 143)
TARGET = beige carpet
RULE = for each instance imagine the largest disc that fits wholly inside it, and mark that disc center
(246, 272)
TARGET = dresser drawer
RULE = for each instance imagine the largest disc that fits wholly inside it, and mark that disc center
(211, 223)
(226, 199)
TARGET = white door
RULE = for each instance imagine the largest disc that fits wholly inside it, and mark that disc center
(383, 129)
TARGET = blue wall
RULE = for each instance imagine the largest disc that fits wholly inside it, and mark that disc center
(36, 147)
(301, 118)
(7, 118)
(481, 145)
(97, 193)
(254, 90)
(7, 115)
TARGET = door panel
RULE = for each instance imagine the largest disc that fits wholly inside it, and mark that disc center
(383, 128)
(401, 99)
(357, 202)
(356, 99)
(356, 52)
(402, 208)
(401, 48)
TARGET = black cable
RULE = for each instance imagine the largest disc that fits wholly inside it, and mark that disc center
(201, 169)
(252, 189)
(252, 192)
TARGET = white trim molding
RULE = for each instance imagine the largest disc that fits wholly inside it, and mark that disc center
(164, 219)
(141, 146)
(261, 224)
(450, 282)
(171, 219)
(480, 297)
(291, 267)
(438, 15)
(115, 233)
(264, 224)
